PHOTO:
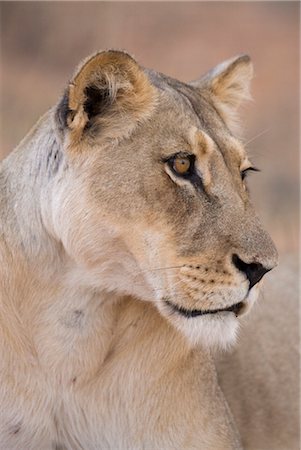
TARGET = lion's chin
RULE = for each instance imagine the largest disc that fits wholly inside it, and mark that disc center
(213, 331)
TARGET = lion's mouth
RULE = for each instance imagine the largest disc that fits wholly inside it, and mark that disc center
(189, 313)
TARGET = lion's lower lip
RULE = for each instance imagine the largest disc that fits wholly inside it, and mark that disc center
(189, 313)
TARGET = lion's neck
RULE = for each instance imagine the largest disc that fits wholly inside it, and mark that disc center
(46, 301)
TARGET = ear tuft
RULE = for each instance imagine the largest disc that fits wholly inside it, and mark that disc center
(228, 85)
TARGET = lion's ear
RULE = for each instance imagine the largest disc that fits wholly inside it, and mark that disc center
(108, 96)
(228, 85)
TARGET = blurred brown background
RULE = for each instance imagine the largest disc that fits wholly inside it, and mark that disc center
(42, 42)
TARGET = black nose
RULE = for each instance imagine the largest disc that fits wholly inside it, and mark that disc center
(253, 271)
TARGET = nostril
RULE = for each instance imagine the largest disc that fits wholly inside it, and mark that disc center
(253, 271)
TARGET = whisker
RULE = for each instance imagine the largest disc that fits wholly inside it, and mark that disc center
(160, 268)
(257, 136)
(174, 284)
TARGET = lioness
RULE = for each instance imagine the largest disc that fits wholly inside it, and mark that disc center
(129, 249)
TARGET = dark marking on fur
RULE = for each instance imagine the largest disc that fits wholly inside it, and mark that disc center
(98, 99)
(58, 446)
(73, 319)
(15, 429)
(54, 158)
(109, 355)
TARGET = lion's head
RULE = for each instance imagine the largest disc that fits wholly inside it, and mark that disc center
(153, 202)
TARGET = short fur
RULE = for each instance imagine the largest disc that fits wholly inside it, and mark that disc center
(97, 236)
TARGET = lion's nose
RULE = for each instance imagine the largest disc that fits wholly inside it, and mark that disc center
(254, 271)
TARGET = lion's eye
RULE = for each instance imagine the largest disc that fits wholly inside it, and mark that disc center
(244, 172)
(181, 165)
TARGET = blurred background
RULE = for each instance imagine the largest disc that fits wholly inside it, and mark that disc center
(42, 42)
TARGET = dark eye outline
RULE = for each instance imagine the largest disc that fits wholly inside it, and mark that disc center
(245, 172)
(191, 171)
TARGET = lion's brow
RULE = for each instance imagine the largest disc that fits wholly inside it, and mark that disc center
(196, 103)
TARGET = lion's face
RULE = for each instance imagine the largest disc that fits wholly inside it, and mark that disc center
(156, 204)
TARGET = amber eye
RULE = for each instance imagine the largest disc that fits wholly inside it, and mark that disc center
(181, 165)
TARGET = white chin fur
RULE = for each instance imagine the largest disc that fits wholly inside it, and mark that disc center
(212, 331)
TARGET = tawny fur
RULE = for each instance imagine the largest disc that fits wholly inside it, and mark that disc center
(97, 235)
